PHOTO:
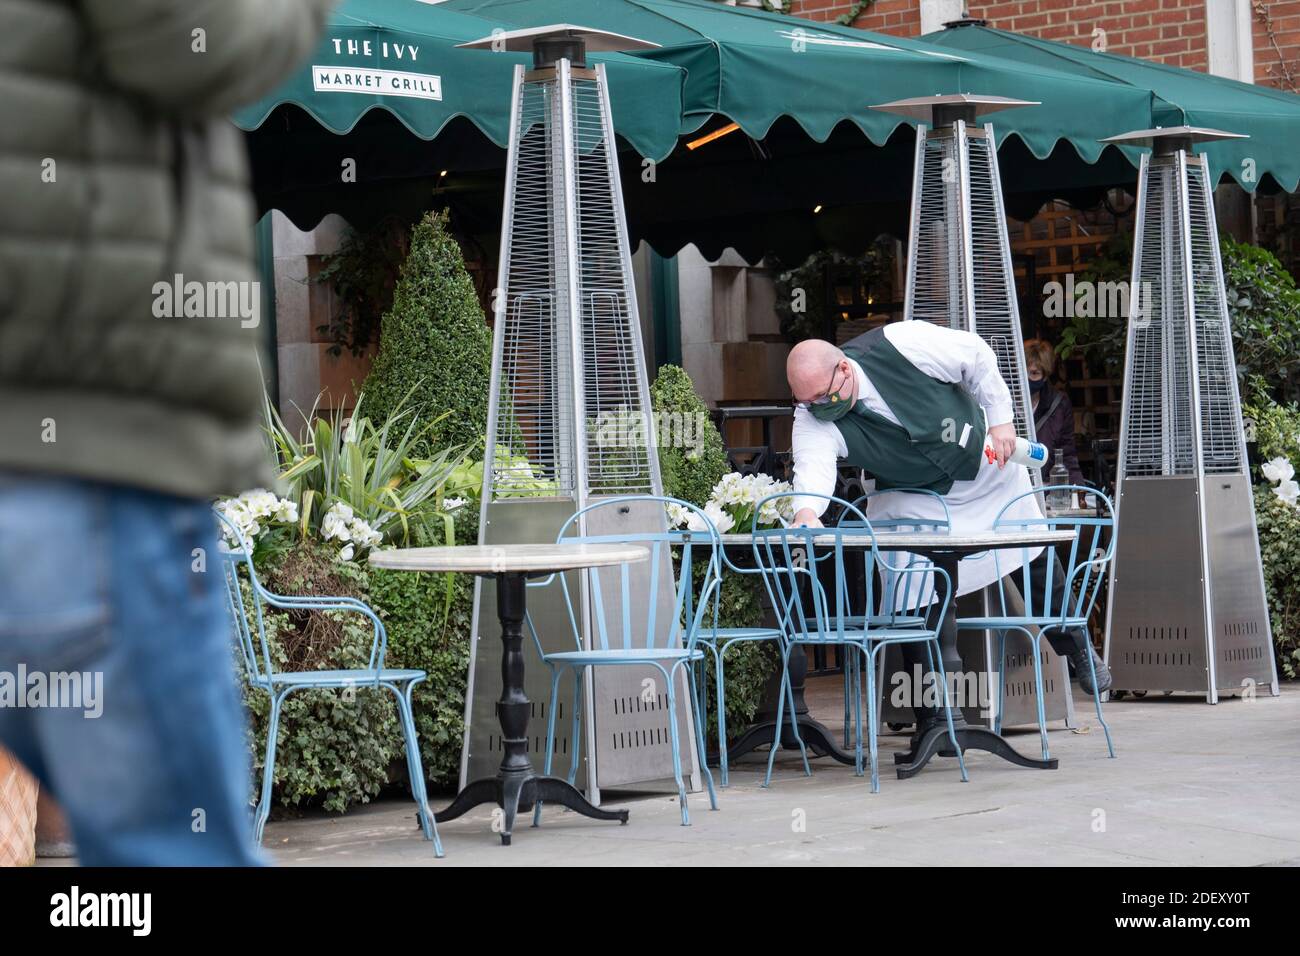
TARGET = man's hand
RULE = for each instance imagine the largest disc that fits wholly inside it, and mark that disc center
(1003, 440)
(806, 518)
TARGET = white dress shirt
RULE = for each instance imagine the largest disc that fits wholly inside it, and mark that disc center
(949, 355)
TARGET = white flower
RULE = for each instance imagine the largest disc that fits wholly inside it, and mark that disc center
(346, 553)
(713, 511)
(451, 504)
(336, 523)
(1288, 491)
(286, 512)
(1279, 469)
(677, 515)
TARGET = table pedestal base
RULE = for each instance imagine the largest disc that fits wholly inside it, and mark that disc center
(934, 740)
(516, 792)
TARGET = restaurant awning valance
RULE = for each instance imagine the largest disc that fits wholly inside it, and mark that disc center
(1271, 118)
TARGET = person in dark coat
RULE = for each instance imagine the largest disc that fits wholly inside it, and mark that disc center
(1053, 413)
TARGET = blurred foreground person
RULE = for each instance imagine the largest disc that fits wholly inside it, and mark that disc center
(126, 407)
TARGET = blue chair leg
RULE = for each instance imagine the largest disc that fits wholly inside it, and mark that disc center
(849, 667)
(575, 733)
(1038, 687)
(550, 738)
(794, 729)
(700, 743)
(677, 750)
(720, 698)
(936, 657)
(268, 770)
(1096, 699)
(416, 765)
(872, 730)
(780, 716)
(1002, 680)
(861, 659)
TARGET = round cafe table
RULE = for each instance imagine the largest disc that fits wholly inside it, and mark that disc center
(516, 786)
(946, 551)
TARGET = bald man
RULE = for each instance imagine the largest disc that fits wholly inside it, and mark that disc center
(912, 404)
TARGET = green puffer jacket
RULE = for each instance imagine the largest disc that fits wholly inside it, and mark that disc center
(118, 171)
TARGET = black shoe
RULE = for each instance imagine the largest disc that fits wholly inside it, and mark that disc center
(1079, 664)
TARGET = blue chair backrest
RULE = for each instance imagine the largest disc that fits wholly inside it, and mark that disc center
(795, 563)
(616, 590)
(258, 662)
(900, 592)
(1088, 557)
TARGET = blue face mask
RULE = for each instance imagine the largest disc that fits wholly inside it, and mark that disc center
(1038, 386)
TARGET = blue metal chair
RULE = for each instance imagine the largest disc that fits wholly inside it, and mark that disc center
(1082, 582)
(918, 591)
(278, 685)
(668, 646)
(717, 641)
(790, 559)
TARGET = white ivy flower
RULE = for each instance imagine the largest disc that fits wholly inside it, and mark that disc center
(1279, 469)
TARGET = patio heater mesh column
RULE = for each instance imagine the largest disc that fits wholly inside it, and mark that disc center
(959, 271)
(1187, 607)
(569, 408)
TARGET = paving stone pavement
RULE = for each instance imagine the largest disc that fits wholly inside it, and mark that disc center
(1192, 784)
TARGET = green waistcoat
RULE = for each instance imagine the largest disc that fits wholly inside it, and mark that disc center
(926, 450)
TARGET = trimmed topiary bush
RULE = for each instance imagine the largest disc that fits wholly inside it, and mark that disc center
(688, 473)
(434, 344)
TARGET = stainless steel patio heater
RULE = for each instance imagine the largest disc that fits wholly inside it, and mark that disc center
(1187, 604)
(569, 408)
(959, 274)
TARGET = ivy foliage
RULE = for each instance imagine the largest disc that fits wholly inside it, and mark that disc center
(1279, 545)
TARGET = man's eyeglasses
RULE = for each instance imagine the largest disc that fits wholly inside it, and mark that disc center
(826, 397)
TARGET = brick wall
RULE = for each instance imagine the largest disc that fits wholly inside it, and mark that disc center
(1170, 31)
(1277, 44)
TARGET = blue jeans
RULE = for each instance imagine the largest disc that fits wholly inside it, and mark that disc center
(106, 583)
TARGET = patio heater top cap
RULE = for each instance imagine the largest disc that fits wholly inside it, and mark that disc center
(557, 41)
(1169, 139)
(965, 20)
(946, 108)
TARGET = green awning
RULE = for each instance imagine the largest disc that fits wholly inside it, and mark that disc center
(755, 67)
(1269, 117)
(401, 56)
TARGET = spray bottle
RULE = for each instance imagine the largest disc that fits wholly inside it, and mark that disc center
(1027, 453)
